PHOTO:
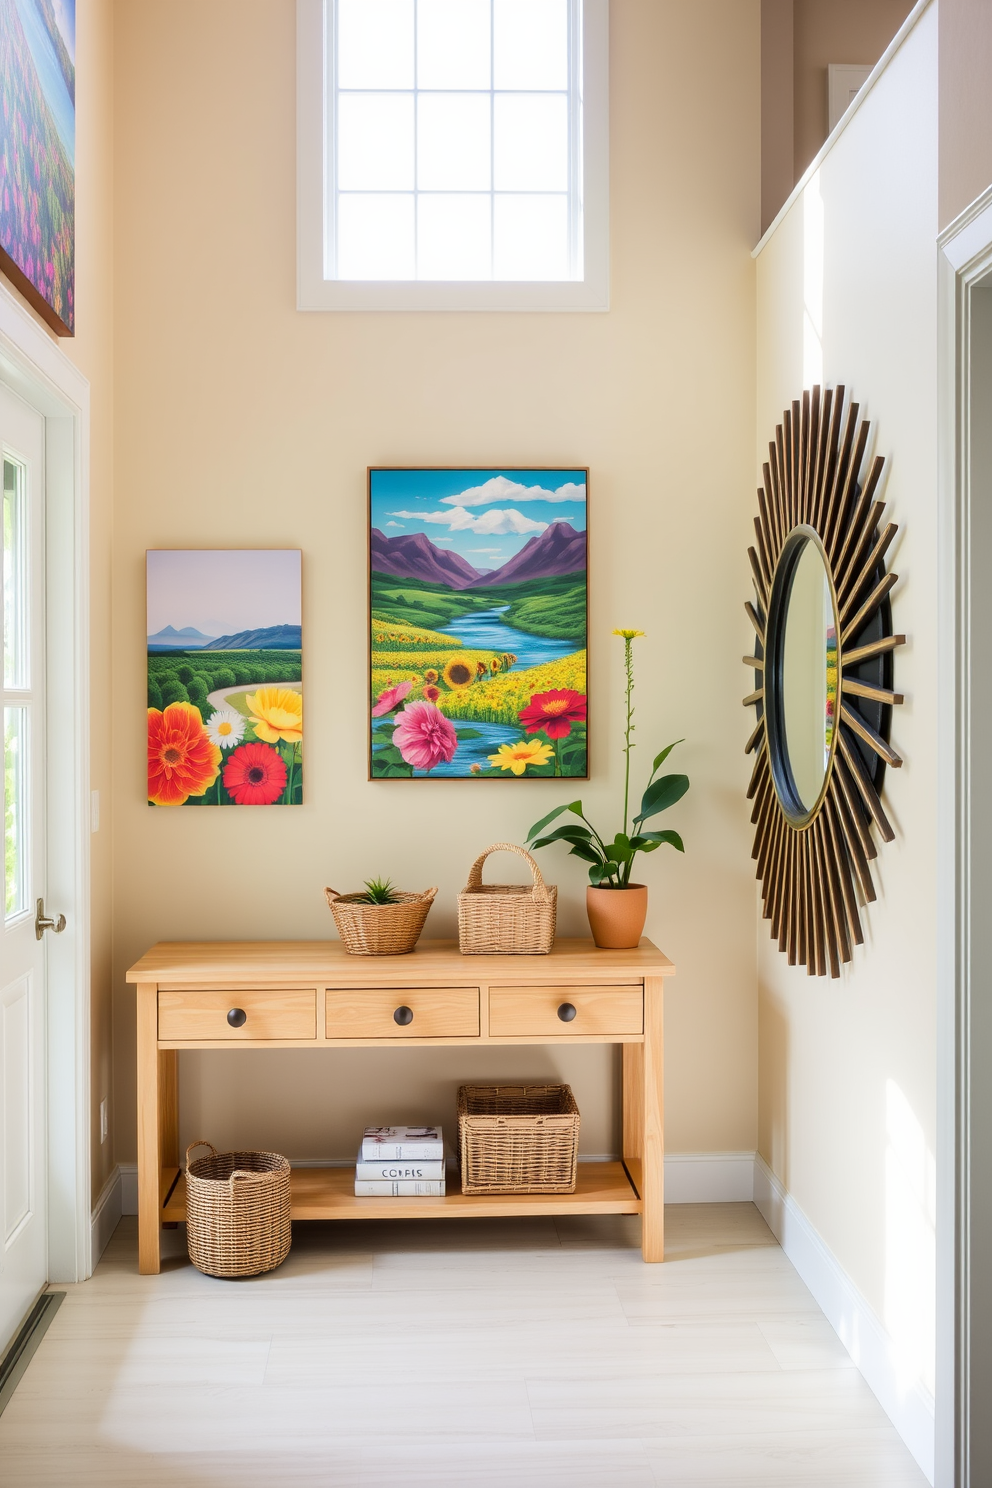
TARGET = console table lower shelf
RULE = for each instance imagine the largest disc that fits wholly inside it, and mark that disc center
(328, 1193)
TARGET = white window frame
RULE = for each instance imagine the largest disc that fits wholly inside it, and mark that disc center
(317, 292)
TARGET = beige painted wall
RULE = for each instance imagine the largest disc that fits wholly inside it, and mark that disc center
(965, 104)
(241, 421)
(847, 288)
(827, 31)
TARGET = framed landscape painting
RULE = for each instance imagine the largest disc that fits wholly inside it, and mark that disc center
(37, 155)
(225, 678)
(477, 623)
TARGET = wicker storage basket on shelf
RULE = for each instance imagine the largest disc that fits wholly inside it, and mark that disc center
(237, 1211)
(506, 919)
(518, 1138)
(380, 929)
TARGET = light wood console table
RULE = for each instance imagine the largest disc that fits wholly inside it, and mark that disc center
(312, 994)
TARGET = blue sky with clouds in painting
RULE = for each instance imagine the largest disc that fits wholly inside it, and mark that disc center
(486, 516)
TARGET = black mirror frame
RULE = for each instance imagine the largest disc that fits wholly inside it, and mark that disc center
(820, 485)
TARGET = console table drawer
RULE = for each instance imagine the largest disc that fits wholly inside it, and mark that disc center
(218, 1015)
(403, 1012)
(566, 1012)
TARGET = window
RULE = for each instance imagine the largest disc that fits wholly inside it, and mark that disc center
(452, 154)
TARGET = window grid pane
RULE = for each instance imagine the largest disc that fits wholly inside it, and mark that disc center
(15, 571)
(15, 834)
(533, 145)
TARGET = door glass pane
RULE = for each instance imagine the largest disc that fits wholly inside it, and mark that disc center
(530, 43)
(15, 608)
(453, 44)
(15, 836)
(375, 43)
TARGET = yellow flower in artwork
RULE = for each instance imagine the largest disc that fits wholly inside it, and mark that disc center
(517, 757)
(629, 635)
(276, 713)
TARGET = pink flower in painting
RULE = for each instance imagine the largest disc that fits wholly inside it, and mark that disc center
(424, 737)
(390, 699)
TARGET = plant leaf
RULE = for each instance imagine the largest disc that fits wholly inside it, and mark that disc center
(467, 734)
(564, 834)
(661, 794)
(652, 840)
(598, 873)
(587, 852)
(661, 758)
(575, 806)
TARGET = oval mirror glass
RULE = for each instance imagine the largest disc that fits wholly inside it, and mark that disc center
(809, 676)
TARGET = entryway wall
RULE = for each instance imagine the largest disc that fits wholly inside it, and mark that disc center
(847, 293)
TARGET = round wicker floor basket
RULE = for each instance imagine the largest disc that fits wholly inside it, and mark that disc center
(380, 929)
(237, 1211)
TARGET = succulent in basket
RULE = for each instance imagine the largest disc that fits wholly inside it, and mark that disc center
(379, 891)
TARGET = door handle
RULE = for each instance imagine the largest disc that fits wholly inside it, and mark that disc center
(43, 922)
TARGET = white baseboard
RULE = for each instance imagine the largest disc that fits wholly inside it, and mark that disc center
(910, 1409)
(106, 1214)
(129, 1187)
(709, 1177)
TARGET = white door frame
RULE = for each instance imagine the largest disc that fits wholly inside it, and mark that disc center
(34, 367)
(965, 258)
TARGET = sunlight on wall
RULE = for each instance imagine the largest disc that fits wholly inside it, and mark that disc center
(812, 283)
(910, 1214)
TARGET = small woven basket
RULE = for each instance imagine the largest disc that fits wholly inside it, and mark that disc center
(237, 1211)
(380, 929)
(506, 919)
(518, 1138)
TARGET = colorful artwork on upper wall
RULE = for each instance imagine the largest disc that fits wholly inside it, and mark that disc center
(477, 614)
(38, 154)
(225, 679)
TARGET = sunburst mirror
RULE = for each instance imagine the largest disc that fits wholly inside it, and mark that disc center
(823, 679)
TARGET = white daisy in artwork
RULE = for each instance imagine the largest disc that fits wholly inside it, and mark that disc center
(225, 728)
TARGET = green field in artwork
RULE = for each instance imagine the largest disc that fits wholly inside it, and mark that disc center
(477, 646)
(225, 678)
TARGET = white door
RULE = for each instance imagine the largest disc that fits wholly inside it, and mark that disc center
(23, 1145)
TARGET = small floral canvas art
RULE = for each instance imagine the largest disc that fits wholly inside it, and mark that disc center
(477, 614)
(225, 678)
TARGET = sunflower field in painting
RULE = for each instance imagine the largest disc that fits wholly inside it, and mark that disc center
(478, 640)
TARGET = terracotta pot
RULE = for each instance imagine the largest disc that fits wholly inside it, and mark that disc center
(616, 916)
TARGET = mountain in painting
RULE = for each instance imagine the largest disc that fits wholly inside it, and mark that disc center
(188, 636)
(413, 556)
(556, 551)
(270, 638)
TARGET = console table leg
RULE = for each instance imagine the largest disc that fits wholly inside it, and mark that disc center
(633, 1110)
(150, 1094)
(653, 1150)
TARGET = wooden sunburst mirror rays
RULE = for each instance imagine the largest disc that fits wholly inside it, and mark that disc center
(823, 662)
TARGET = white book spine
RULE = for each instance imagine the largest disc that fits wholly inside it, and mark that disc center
(426, 1188)
(387, 1172)
(402, 1152)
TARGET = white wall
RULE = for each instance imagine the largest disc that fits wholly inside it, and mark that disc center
(847, 293)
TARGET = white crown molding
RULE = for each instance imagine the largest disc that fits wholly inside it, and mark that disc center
(874, 1351)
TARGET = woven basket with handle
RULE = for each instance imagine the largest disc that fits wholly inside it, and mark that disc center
(380, 929)
(517, 1138)
(237, 1211)
(506, 919)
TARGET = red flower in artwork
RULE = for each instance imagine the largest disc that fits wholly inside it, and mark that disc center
(554, 712)
(255, 775)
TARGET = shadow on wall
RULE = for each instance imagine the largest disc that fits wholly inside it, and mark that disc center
(773, 1081)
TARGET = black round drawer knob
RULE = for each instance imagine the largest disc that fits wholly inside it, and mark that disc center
(237, 1017)
(403, 1016)
(566, 1012)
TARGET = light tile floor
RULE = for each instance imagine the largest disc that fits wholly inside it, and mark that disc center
(479, 1354)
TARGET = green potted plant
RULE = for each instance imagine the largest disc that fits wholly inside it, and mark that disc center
(616, 907)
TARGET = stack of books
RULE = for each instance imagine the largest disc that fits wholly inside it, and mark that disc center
(400, 1162)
